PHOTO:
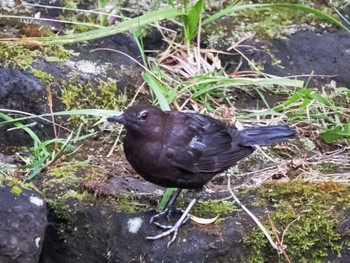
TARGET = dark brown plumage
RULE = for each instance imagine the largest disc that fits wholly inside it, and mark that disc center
(186, 150)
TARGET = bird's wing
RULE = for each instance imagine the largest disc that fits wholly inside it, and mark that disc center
(204, 145)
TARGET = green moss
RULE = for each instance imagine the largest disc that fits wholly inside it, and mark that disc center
(16, 185)
(311, 213)
(15, 55)
(64, 191)
(259, 245)
(68, 170)
(63, 185)
(127, 203)
(77, 96)
(213, 208)
(21, 56)
(264, 22)
(102, 97)
(54, 53)
(47, 78)
(270, 22)
(16, 189)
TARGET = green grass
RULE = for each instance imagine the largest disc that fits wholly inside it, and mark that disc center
(326, 111)
(47, 152)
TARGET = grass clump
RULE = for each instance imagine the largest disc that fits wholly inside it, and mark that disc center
(272, 22)
(326, 110)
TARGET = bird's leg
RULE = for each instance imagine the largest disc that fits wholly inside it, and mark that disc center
(169, 206)
(183, 219)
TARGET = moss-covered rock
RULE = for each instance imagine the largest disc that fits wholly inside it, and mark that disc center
(306, 215)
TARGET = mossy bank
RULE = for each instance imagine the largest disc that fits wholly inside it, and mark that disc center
(307, 217)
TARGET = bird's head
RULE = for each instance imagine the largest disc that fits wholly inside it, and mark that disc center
(142, 120)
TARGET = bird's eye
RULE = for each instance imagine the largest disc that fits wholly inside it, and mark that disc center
(143, 116)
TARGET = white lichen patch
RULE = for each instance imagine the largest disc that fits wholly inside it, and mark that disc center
(85, 66)
(36, 200)
(134, 224)
(37, 242)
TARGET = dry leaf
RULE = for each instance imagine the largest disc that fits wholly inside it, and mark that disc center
(203, 221)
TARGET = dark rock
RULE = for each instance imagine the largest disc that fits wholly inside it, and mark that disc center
(23, 220)
(312, 53)
(116, 56)
(314, 57)
(83, 240)
(99, 234)
(21, 91)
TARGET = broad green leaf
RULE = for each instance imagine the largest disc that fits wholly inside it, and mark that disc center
(336, 133)
(194, 16)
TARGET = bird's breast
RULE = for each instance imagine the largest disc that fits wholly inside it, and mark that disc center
(143, 157)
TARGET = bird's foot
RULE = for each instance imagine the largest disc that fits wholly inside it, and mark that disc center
(183, 219)
(171, 230)
(166, 211)
(170, 226)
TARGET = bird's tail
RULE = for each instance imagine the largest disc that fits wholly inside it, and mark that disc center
(266, 135)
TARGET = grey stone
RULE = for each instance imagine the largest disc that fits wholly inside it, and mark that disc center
(23, 220)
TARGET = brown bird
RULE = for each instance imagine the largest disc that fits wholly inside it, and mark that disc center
(186, 150)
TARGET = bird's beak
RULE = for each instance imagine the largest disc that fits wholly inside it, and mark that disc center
(120, 119)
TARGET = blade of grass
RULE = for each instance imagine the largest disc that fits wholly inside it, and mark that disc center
(32, 174)
(235, 82)
(234, 8)
(193, 19)
(34, 137)
(92, 112)
(163, 202)
(158, 89)
(124, 26)
(33, 164)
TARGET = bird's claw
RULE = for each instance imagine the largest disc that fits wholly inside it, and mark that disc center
(163, 212)
(167, 211)
(173, 230)
(170, 226)
(162, 226)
